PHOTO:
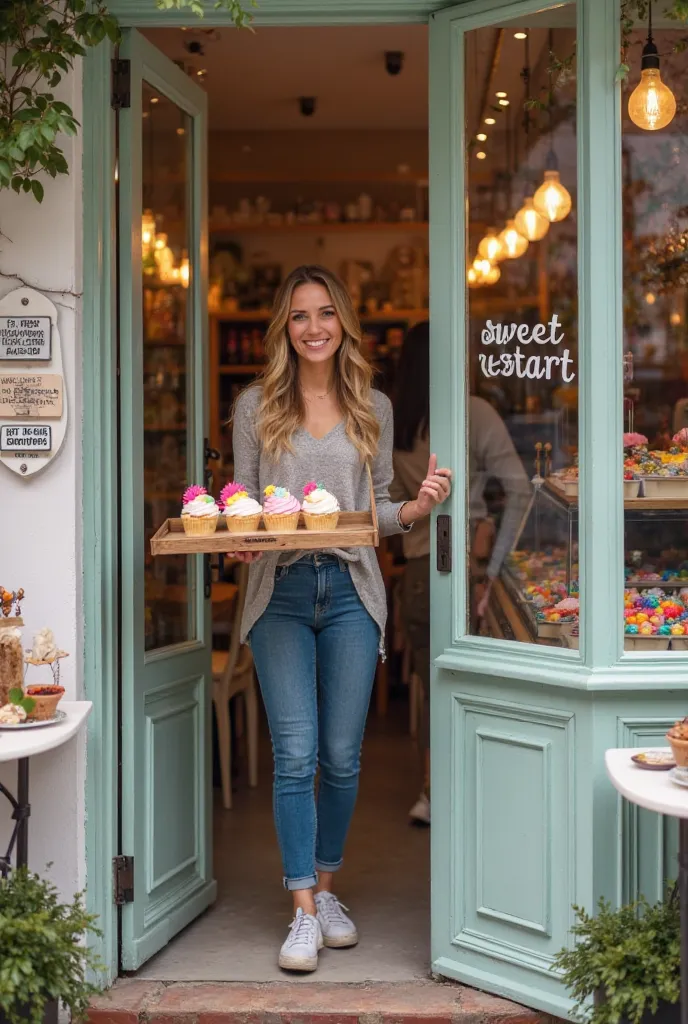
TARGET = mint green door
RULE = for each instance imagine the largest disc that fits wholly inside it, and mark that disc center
(165, 794)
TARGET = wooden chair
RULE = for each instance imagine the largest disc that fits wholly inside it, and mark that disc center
(233, 674)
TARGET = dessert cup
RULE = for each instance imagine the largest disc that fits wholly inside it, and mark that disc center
(199, 525)
(47, 697)
(281, 523)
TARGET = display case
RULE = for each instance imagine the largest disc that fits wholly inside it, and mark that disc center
(536, 598)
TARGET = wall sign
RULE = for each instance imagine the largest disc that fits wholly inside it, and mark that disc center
(534, 361)
(33, 400)
(25, 438)
(25, 337)
(30, 394)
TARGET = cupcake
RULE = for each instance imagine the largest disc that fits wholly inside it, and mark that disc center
(199, 511)
(320, 508)
(281, 510)
(242, 514)
(678, 738)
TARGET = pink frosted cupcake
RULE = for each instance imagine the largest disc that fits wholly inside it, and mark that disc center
(320, 508)
(200, 513)
(242, 514)
(281, 510)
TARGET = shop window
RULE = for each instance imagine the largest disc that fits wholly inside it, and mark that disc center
(522, 328)
(167, 367)
(655, 268)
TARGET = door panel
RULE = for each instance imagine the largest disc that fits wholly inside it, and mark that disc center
(166, 655)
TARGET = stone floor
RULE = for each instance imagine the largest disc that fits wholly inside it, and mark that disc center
(385, 882)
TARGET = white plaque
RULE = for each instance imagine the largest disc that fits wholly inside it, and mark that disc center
(25, 337)
(33, 388)
(26, 437)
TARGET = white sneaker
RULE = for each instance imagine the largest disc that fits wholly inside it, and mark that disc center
(420, 812)
(337, 929)
(300, 949)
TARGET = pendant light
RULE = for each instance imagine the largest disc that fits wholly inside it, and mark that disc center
(652, 104)
(491, 247)
(515, 244)
(531, 224)
(552, 200)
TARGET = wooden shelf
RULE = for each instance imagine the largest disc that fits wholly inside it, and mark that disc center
(322, 228)
(646, 504)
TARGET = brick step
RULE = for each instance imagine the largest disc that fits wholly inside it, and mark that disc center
(416, 1002)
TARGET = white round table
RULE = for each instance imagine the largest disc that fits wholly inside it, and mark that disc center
(655, 791)
(21, 744)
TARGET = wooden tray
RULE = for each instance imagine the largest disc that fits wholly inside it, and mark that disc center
(353, 530)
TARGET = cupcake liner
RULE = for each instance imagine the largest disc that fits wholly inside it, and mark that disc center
(281, 523)
(243, 524)
(199, 525)
(680, 750)
(326, 521)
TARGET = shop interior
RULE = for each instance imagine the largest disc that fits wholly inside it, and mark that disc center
(325, 159)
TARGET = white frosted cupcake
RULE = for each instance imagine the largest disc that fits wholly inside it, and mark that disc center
(242, 513)
(200, 513)
(320, 509)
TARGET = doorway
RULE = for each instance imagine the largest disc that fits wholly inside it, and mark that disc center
(324, 160)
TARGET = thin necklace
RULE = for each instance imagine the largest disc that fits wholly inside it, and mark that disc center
(318, 396)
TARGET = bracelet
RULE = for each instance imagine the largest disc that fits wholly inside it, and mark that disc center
(404, 527)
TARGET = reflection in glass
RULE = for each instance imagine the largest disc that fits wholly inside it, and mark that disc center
(522, 302)
(165, 230)
(655, 233)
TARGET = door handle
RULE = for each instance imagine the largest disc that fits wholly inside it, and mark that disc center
(209, 454)
(207, 577)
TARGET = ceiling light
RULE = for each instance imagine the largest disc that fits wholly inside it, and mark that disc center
(202, 72)
(490, 120)
(155, 99)
(181, 131)
(675, 319)
(481, 137)
(500, 95)
(652, 104)
(491, 248)
(504, 103)
(520, 35)
(513, 241)
(552, 200)
(650, 298)
(529, 223)
(481, 155)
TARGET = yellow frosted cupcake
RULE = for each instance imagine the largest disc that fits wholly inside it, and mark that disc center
(320, 508)
(200, 513)
(242, 513)
(281, 510)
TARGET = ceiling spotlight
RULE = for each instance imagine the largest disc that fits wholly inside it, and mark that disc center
(520, 35)
(481, 137)
(481, 154)
(490, 120)
(181, 131)
(504, 103)
(155, 99)
(500, 95)
(202, 72)
(650, 298)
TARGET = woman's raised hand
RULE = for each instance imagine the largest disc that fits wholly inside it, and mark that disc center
(435, 489)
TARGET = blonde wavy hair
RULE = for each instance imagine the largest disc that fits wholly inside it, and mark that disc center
(282, 409)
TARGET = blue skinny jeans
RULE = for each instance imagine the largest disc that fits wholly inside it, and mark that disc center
(315, 650)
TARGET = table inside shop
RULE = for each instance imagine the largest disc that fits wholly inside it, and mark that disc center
(22, 744)
(655, 791)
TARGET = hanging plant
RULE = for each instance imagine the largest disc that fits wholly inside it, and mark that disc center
(39, 41)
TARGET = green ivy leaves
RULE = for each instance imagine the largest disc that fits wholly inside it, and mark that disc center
(39, 42)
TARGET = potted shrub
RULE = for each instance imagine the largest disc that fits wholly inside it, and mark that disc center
(43, 956)
(626, 964)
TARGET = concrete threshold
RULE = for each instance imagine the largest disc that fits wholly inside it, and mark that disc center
(415, 1002)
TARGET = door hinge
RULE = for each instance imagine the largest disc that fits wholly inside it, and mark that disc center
(123, 878)
(444, 543)
(121, 84)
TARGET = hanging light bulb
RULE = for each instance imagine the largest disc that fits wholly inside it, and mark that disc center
(529, 223)
(147, 228)
(491, 247)
(492, 276)
(652, 104)
(184, 270)
(472, 277)
(514, 243)
(552, 200)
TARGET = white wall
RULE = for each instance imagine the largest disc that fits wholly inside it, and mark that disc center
(40, 540)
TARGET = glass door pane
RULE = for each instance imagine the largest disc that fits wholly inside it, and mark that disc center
(522, 327)
(167, 363)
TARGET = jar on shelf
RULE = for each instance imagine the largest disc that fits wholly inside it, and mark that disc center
(11, 657)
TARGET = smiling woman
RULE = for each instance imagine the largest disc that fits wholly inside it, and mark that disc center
(315, 620)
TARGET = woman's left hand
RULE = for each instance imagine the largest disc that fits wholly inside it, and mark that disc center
(435, 489)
